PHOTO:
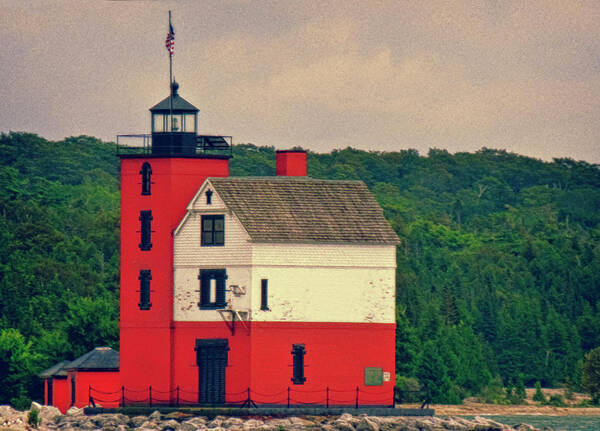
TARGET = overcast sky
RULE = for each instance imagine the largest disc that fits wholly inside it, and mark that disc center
(376, 75)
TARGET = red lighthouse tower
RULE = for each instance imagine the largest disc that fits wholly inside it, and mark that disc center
(158, 179)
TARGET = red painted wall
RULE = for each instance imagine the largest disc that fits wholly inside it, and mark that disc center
(100, 381)
(336, 355)
(290, 163)
(261, 359)
(61, 395)
(146, 338)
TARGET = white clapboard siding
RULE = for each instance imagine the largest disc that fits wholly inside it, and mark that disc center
(332, 255)
(320, 294)
(188, 251)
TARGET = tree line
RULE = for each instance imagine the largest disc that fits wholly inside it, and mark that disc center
(498, 268)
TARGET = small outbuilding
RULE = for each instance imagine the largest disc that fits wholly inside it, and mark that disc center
(70, 383)
(55, 386)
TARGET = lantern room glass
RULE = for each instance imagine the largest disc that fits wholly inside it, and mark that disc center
(180, 122)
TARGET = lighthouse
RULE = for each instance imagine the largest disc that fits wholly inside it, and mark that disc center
(240, 291)
(158, 180)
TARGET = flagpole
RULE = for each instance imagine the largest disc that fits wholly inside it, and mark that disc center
(170, 84)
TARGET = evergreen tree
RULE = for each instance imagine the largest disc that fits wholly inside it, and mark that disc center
(591, 374)
(432, 375)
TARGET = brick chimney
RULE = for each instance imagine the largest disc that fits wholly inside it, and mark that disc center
(291, 163)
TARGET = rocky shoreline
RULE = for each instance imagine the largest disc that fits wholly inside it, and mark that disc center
(50, 419)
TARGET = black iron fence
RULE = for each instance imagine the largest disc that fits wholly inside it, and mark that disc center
(289, 397)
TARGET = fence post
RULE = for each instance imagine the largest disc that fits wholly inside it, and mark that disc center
(122, 396)
(327, 396)
(177, 395)
(356, 405)
(288, 404)
(150, 395)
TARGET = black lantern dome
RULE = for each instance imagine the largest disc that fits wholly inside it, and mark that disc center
(174, 125)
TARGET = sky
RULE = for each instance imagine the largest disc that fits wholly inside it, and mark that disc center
(523, 76)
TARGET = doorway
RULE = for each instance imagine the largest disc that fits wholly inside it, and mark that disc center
(211, 358)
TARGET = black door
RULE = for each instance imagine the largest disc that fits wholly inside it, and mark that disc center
(211, 358)
(50, 397)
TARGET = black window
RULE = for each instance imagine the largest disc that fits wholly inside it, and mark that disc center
(213, 230)
(209, 194)
(146, 173)
(298, 353)
(145, 230)
(145, 277)
(264, 294)
(212, 288)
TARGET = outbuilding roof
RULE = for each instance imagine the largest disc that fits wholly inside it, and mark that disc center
(101, 358)
(57, 370)
(305, 210)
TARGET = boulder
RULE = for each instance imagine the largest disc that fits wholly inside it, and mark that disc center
(342, 425)
(149, 424)
(215, 423)
(74, 411)
(252, 423)
(279, 422)
(170, 425)
(7, 411)
(300, 421)
(137, 421)
(232, 421)
(198, 421)
(48, 413)
(189, 426)
(154, 416)
(367, 424)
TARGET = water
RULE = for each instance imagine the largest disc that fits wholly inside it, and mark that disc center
(567, 423)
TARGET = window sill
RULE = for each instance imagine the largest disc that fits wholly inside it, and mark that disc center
(145, 306)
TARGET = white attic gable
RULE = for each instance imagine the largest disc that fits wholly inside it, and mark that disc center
(198, 204)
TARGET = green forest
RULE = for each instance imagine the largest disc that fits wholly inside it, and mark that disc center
(498, 279)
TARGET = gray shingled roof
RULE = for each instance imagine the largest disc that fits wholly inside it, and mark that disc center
(57, 370)
(179, 103)
(101, 358)
(305, 210)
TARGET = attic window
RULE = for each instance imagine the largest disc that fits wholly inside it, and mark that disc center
(209, 194)
(213, 230)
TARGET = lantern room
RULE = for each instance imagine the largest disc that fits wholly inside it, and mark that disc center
(174, 123)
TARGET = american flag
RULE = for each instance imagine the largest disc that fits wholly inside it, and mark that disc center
(170, 42)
